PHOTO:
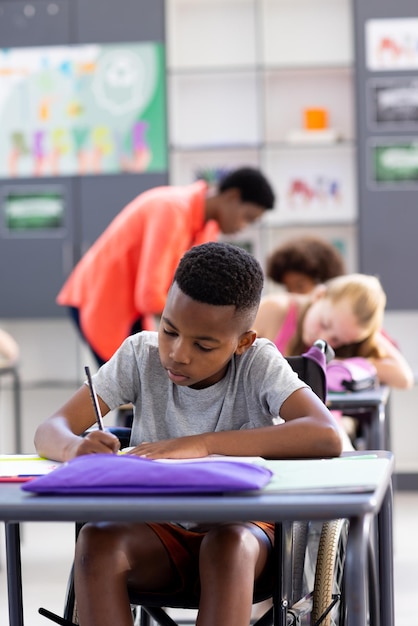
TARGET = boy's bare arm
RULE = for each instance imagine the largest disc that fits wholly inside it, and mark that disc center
(59, 437)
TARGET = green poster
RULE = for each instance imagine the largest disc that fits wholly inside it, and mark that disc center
(82, 109)
(33, 211)
(395, 162)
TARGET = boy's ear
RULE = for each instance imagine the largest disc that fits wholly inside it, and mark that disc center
(246, 341)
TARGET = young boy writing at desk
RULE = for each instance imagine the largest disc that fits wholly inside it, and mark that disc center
(202, 385)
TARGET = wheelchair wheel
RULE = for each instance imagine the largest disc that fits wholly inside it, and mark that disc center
(299, 544)
(328, 598)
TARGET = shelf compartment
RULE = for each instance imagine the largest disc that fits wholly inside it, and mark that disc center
(302, 32)
(342, 236)
(288, 93)
(209, 110)
(211, 33)
(313, 187)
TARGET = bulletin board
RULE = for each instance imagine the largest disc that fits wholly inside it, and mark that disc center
(82, 109)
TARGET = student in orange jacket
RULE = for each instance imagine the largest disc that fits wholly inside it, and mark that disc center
(123, 279)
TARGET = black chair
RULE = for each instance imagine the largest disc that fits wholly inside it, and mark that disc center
(313, 554)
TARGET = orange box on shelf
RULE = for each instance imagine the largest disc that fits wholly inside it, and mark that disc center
(315, 119)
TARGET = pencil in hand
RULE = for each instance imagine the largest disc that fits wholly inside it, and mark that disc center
(93, 395)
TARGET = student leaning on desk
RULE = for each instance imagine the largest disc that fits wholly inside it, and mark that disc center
(204, 384)
(347, 312)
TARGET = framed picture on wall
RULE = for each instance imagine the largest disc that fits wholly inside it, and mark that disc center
(33, 211)
(393, 102)
(82, 109)
(393, 162)
(391, 44)
(314, 184)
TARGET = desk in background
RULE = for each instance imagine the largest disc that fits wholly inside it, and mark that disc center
(371, 408)
(297, 492)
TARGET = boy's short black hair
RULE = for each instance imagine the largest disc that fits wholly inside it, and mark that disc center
(221, 274)
(252, 185)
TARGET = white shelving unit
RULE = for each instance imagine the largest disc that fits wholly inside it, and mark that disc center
(240, 74)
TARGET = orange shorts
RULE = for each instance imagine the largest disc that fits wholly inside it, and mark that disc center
(183, 547)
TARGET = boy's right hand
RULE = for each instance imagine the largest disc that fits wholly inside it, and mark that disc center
(96, 442)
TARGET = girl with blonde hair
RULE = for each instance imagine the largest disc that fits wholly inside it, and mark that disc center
(347, 312)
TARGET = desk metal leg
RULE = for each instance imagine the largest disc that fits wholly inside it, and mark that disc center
(377, 435)
(356, 571)
(14, 574)
(387, 610)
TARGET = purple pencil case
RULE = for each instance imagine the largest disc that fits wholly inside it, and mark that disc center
(126, 474)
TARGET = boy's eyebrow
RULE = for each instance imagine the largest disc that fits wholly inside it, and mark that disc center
(200, 338)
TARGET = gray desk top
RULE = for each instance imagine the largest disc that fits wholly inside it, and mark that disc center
(313, 500)
(354, 399)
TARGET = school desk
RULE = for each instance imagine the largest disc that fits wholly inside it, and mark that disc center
(356, 486)
(371, 408)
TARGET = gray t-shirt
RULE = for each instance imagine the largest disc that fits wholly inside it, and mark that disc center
(249, 396)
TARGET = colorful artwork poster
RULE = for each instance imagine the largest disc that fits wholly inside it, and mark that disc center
(392, 44)
(82, 109)
(394, 102)
(395, 162)
(313, 187)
